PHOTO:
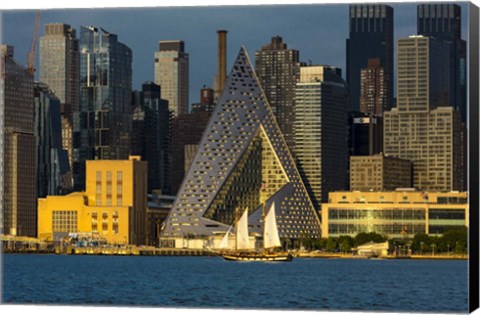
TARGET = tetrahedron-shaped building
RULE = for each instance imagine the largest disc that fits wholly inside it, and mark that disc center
(242, 162)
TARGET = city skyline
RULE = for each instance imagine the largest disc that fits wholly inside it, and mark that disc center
(197, 27)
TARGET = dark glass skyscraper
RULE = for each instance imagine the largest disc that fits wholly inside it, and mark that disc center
(371, 36)
(151, 135)
(102, 125)
(53, 171)
(443, 21)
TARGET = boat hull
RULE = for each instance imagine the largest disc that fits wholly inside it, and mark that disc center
(256, 257)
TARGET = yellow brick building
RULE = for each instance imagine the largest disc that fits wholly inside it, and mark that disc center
(113, 205)
(396, 214)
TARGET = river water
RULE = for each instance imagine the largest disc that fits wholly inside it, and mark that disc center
(314, 284)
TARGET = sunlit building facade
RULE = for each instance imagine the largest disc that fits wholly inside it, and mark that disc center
(379, 173)
(397, 214)
(114, 205)
(242, 162)
(278, 69)
(321, 131)
(172, 74)
(423, 128)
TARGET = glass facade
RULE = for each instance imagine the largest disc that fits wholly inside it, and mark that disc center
(53, 171)
(102, 126)
(397, 214)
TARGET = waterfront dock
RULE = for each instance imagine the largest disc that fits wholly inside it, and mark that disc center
(132, 251)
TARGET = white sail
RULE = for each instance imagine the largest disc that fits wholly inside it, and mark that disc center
(224, 244)
(270, 230)
(242, 232)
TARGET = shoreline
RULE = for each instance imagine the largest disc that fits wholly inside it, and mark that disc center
(152, 251)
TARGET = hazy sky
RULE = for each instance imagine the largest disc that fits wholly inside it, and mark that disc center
(318, 31)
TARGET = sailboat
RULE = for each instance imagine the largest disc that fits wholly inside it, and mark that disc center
(244, 249)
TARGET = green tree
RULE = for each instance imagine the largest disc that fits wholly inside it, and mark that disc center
(332, 244)
(321, 243)
(421, 242)
(346, 243)
(362, 238)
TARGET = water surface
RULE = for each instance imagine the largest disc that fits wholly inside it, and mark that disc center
(316, 284)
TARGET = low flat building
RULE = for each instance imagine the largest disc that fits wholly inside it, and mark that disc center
(379, 173)
(113, 205)
(395, 214)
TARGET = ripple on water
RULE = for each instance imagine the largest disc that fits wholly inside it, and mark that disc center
(388, 285)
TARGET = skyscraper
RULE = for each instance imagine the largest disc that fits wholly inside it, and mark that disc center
(420, 128)
(53, 171)
(371, 36)
(187, 131)
(242, 162)
(103, 123)
(17, 148)
(151, 135)
(321, 131)
(59, 68)
(423, 73)
(373, 88)
(171, 73)
(278, 69)
(443, 21)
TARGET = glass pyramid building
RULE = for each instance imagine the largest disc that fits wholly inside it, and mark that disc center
(242, 162)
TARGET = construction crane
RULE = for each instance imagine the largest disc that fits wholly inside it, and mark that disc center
(31, 53)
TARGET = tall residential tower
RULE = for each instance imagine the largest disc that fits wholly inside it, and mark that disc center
(171, 73)
(321, 131)
(421, 128)
(17, 148)
(278, 69)
(59, 68)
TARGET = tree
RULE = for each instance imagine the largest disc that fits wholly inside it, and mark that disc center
(362, 238)
(421, 242)
(346, 243)
(332, 244)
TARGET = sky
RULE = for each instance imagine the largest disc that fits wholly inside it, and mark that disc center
(318, 31)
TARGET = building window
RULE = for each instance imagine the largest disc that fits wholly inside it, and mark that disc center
(115, 222)
(119, 188)
(98, 185)
(64, 221)
(104, 222)
(109, 189)
(94, 222)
